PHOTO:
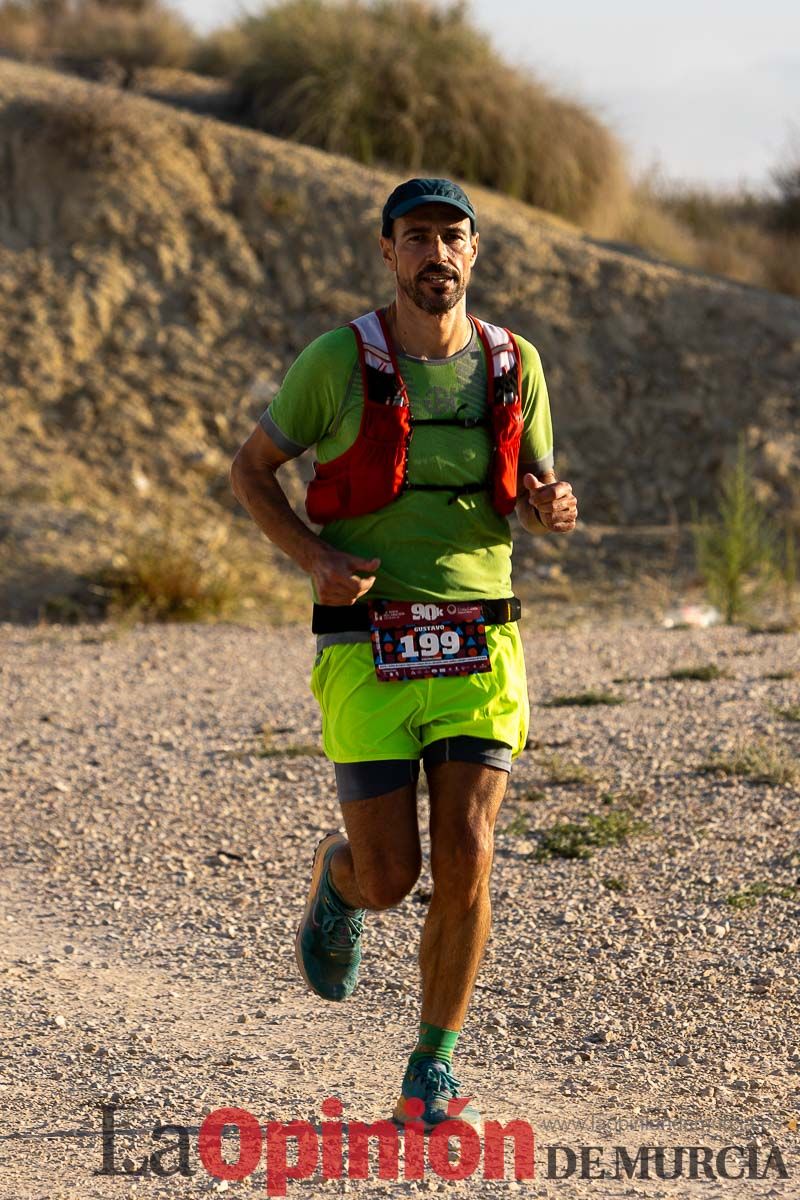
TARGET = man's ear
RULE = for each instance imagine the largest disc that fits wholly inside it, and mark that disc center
(388, 254)
(475, 239)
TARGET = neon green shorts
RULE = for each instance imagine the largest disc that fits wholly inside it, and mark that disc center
(364, 720)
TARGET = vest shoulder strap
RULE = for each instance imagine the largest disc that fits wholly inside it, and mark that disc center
(500, 345)
(372, 344)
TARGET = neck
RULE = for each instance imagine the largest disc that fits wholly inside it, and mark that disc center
(428, 335)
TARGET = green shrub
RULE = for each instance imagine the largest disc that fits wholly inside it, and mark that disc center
(419, 87)
(787, 181)
(578, 839)
(706, 672)
(735, 549)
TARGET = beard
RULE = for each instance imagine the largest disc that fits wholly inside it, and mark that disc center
(432, 300)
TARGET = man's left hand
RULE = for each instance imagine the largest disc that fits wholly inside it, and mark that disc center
(554, 502)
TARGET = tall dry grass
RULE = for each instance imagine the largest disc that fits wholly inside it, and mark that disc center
(80, 33)
(417, 86)
(413, 84)
(744, 236)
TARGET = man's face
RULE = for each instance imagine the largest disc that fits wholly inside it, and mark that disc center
(432, 252)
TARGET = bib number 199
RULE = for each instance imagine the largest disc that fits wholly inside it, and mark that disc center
(430, 644)
(425, 640)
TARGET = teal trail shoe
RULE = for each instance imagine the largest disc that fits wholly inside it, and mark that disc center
(328, 942)
(430, 1081)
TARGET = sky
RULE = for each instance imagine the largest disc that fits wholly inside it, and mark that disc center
(704, 91)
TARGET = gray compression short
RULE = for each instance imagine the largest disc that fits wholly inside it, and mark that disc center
(361, 780)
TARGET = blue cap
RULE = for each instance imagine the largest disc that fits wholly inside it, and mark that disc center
(414, 192)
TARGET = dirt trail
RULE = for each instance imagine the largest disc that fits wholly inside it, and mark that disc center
(155, 860)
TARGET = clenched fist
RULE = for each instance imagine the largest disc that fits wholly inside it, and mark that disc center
(555, 504)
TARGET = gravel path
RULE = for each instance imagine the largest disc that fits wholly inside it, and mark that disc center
(155, 860)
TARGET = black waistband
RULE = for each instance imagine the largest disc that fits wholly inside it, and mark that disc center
(347, 618)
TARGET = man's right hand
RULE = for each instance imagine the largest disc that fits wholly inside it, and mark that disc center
(341, 578)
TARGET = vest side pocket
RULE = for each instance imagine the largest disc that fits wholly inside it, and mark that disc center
(507, 425)
(369, 475)
(329, 491)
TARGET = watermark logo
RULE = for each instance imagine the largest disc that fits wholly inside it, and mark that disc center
(232, 1144)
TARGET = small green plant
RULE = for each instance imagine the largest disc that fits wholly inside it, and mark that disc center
(577, 839)
(735, 549)
(533, 795)
(706, 673)
(268, 749)
(300, 750)
(518, 826)
(614, 884)
(630, 799)
(789, 572)
(560, 771)
(779, 675)
(583, 700)
(792, 713)
(761, 760)
(750, 895)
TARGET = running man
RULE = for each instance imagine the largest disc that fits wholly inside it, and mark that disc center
(430, 428)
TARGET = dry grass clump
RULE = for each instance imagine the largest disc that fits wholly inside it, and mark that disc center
(743, 236)
(83, 132)
(22, 29)
(148, 36)
(80, 33)
(559, 770)
(419, 87)
(761, 760)
(167, 574)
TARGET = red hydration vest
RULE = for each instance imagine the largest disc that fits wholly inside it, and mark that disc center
(374, 471)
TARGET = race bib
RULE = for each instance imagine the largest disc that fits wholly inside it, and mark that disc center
(420, 640)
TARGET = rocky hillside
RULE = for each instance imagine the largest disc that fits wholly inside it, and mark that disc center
(159, 270)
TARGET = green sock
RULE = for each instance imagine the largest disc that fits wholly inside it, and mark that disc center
(435, 1042)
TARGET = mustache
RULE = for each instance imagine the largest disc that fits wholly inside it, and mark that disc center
(447, 272)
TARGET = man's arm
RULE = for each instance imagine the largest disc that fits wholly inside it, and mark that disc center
(254, 484)
(546, 505)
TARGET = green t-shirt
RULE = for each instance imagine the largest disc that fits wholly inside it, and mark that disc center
(429, 547)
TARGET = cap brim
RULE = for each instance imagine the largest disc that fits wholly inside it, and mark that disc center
(407, 205)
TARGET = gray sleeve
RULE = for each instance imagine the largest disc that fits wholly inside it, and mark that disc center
(284, 443)
(538, 466)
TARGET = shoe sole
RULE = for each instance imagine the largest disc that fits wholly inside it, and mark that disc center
(428, 1126)
(316, 879)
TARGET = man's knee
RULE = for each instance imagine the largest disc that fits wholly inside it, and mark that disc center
(384, 885)
(462, 865)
